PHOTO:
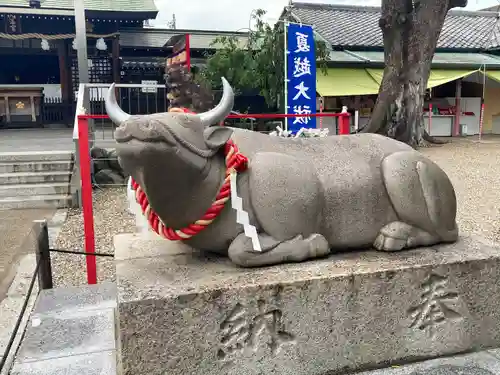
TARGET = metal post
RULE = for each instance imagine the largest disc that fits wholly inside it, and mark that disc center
(285, 52)
(81, 50)
(81, 41)
(43, 255)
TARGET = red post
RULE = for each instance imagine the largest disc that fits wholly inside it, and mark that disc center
(344, 126)
(481, 120)
(321, 105)
(458, 94)
(188, 52)
(88, 216)
(430, 117)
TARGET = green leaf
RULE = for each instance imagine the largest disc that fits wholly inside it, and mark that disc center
(257, 64)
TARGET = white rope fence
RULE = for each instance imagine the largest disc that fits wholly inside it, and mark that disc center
(52, 37)
(302, 133)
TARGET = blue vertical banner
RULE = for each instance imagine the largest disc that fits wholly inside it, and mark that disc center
(301, 76)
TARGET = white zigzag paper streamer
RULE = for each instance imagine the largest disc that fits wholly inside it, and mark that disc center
(242, 216)
(236, 203)
(141, 222)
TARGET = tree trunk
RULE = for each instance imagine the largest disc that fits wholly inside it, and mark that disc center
(410, 30)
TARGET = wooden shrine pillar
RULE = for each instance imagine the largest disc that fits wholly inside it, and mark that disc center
(115, 56)
(65, 79)
(62, 52)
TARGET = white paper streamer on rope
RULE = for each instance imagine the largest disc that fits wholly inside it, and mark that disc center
(141, 222)
(302, 133)
(101, 45)
(242, 216)
(45, 45)
(299, 133)
(131, 197)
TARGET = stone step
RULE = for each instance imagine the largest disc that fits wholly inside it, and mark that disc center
(35, 166)
(37, 201)
(35, 156)
(44, 188)
(34, 177)
(71, 331)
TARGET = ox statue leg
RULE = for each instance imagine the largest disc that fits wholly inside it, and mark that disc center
(297, 249)
(287, 199)
(424, 200)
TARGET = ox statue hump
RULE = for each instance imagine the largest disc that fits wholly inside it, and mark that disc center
(306, 198)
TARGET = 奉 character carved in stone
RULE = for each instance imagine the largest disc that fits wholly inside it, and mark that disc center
(305, 198)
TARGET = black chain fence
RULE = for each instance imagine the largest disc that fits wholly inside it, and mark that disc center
(43, 274)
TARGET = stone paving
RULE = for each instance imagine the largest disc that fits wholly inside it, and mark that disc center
(80, 322)
(19, 262)
(16, 240)
(19, 140)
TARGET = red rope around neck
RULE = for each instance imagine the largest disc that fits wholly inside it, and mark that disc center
(234, 161)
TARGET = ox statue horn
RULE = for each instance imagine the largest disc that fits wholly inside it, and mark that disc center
(115, 113)
(214, 116)
(223, 109)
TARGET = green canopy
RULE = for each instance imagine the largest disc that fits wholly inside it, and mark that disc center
(345, 82)
(437, 77)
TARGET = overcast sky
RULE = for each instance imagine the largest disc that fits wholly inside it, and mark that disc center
(234, 14)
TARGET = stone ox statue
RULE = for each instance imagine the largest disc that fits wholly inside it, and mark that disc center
(306, 197)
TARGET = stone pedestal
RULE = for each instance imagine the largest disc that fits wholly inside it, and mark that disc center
(183, 313)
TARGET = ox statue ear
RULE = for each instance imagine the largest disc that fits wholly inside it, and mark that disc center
(217, 136)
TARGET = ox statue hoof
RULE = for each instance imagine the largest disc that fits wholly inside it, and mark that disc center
(318, 246)
(398, 236)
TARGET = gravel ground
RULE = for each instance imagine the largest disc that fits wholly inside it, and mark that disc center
(473, 167)
(110, 218)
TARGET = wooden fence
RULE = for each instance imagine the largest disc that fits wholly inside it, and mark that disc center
(56, 111)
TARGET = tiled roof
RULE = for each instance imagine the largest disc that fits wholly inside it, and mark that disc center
(450, 59)
(96, 5)
(143, 64)
(156, 38)
(350, 26)
(143, 38)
